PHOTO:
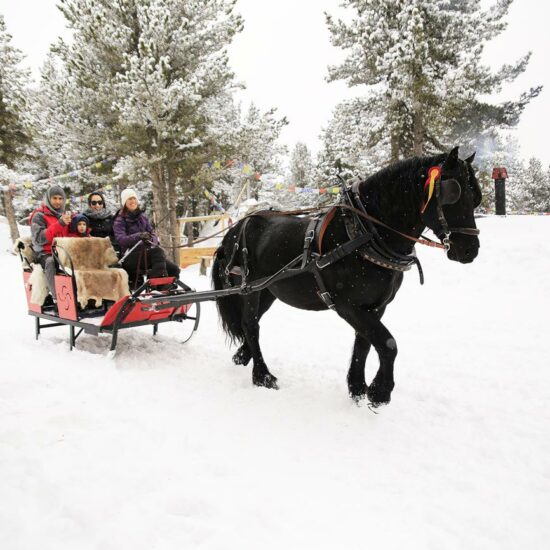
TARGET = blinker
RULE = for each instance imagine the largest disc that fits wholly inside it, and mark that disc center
(449, 190)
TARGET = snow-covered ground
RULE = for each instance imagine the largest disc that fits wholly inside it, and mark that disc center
(169, 446)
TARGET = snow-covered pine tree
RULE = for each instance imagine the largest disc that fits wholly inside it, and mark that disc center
(257, 140)
(256, 146)
(301, 166)
(535, 188)
(514, 186)
(64, 140)
(421, 63)
(142, 72)
(63, 143)
(15, 125)
(355, 136)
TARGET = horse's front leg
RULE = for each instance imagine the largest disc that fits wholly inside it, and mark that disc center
(369, 328)
(251, 328)
(382, 385)
(357, 386)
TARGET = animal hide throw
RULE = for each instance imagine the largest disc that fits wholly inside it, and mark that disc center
(24, 245)
(38, 284)
(91, 257)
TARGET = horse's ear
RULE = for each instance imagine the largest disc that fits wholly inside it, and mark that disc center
(452, 158)
(471, 158)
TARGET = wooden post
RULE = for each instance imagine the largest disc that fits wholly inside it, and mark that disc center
(10, 215)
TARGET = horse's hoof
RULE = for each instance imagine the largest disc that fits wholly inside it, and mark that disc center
(242, 357)
(266, 381)
(378, 396)
(359, 400)
(357, 392)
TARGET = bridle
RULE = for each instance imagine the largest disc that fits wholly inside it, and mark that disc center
(446, 192)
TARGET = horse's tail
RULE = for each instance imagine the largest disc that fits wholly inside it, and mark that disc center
(229, 307)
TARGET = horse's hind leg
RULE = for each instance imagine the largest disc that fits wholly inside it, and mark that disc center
(251, 328)
(243, 354)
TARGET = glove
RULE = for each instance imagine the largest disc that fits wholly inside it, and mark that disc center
(145, 236)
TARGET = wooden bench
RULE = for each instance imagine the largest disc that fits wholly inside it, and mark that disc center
(195, 255)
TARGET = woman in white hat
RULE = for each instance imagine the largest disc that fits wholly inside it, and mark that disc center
(131, 226)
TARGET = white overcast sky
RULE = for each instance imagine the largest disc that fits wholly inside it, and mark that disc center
(283, 53)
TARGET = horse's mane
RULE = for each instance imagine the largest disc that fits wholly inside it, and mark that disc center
(399, 179)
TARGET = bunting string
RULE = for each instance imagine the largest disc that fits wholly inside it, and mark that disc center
(29, 184)
(59, 178)
(248, 169)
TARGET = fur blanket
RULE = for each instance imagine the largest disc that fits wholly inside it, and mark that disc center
(24, 245)
(86, 253)
(101, 284)
(37, 281)
(38, 284)
(91, 258)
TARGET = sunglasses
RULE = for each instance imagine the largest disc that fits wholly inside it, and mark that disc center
(93, 203)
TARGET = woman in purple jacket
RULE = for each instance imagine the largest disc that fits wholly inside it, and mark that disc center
(132, 226)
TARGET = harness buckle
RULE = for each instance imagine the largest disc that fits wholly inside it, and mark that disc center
(310, 235)
(447, 241)
(229, 266)
(325, 296)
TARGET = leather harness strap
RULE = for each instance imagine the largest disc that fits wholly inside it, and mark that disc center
(309, 239)
(321, 229)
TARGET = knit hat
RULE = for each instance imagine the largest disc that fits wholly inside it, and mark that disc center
(93, 193)
(127, 194)
(52, 192)
(76, 220)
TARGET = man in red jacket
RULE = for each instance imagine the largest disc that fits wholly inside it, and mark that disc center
(48, 222)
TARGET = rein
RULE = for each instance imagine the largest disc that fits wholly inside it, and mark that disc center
(268, 213)
(265, 213)
(432, 184)
(424, 240)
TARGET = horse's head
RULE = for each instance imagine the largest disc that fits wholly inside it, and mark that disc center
(449, 206)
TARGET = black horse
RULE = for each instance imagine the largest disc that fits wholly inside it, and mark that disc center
(359, 289)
